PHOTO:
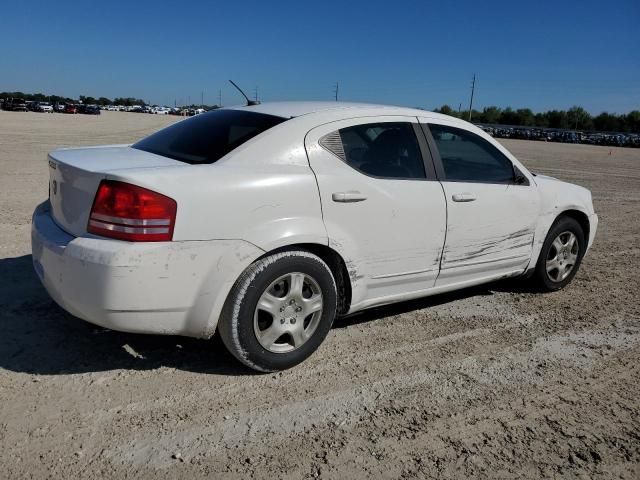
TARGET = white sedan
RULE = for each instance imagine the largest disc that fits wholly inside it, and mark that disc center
(45, 107)
(264, 222)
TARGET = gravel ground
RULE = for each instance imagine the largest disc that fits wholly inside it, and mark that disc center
(490, 382)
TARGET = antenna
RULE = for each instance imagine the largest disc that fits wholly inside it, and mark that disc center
(249, 102)
(473, 87)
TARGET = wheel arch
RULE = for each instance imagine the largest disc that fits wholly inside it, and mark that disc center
(578, 216)
(334, 261)
(546, 223)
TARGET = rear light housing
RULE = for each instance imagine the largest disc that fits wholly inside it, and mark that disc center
(127, 212)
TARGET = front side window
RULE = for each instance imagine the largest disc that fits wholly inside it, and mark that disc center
(385, 150)
(207, 137)
(466, 157)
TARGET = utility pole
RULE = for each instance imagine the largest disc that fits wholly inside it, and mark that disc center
(473, 87)
(335, 91)
(202, 99)
(220, 98)
(255, 94)
(460, 107)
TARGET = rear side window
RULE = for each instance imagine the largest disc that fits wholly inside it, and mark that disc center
(209, 136)
(466, 157)
(386, 150)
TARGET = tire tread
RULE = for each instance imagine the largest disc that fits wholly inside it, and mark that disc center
(228, 325)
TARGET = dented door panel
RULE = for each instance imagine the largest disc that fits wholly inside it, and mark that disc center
(392, 240)
(492, 234)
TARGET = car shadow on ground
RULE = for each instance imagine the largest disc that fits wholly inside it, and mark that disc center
(38, 337)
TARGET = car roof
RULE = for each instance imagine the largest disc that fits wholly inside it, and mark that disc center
(341, 109)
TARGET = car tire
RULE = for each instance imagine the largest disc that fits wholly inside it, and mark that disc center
(561, 255)
(279, 311)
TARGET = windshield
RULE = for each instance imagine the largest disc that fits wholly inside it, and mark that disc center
(209, 136)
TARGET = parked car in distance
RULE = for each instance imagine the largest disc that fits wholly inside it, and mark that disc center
(43, 107)
(70, 108)
(265, 222)
(15, 105)
(91, 110)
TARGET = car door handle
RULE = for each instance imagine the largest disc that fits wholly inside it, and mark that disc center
(348, 197)
(463, 197)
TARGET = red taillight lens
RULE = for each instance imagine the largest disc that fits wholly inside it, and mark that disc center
(128, 212)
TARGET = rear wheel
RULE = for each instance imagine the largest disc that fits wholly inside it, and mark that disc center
(561, 254)
(279, 311)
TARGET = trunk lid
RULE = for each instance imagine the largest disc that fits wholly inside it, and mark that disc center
(74, 176)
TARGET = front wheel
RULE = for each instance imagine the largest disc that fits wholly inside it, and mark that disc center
(561, 254)
(279, 311)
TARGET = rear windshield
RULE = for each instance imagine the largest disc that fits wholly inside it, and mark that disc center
(209, 136)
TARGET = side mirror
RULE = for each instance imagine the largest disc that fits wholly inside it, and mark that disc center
(520, 179)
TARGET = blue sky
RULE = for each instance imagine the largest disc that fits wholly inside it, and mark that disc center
(544, 54)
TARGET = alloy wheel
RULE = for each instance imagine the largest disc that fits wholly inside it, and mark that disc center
(562, 256)
(288, 312)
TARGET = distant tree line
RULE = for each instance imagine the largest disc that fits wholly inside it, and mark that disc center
(576, 118)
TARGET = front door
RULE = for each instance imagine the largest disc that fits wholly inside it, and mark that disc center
(492, 207)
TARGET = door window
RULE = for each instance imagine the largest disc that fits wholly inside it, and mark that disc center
(385, 150)
(466, 157)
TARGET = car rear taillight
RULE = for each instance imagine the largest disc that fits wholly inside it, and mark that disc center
(128, 212)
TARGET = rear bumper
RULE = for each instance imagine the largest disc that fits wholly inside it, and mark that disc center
(175, 288)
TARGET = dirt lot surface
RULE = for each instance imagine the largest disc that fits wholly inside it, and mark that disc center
(491, 382)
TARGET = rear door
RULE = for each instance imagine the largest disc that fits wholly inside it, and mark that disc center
(383, 208)
(492, 206)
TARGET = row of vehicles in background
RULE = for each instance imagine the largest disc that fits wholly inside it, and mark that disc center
(563, 136)
(79, 108)
(156, 110)
(20, 105)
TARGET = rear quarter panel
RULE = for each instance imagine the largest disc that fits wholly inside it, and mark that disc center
(263, 192)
